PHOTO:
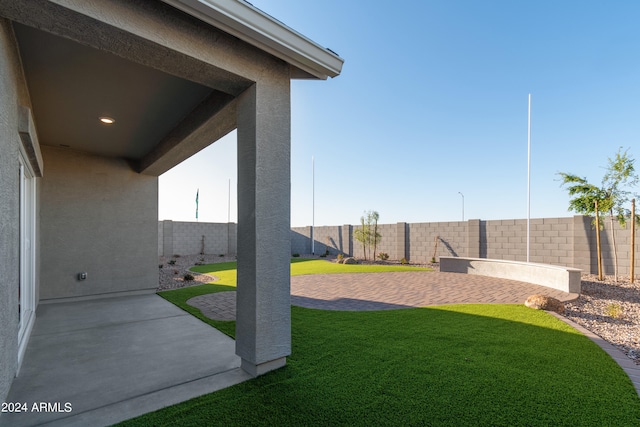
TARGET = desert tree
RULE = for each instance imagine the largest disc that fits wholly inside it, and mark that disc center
(374, 237)
(587, 199)
(360, 234)
(619, 177)
(368, 234)
(611, 196)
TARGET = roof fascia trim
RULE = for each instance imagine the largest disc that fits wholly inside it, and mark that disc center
(255, 27)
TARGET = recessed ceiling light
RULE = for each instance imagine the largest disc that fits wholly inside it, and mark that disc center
(107, 120)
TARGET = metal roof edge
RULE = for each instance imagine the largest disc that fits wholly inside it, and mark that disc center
(243, 20)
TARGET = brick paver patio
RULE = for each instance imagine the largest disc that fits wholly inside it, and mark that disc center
(387, 291)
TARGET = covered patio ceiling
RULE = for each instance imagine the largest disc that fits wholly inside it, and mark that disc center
(166, 105)
(72, 86)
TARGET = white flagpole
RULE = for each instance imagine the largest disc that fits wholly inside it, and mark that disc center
(529, 182)
(313, 203)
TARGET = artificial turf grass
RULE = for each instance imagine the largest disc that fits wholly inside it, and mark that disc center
(303, 266)
(449, 365)
(519, 367)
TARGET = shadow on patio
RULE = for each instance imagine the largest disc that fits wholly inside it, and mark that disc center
(116, 358)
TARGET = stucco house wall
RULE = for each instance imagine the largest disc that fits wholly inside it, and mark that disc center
(9, 225)
(99, 217)
(13, 94)
(96, 202)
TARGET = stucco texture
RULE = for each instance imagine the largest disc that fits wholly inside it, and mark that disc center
(98, 217)
(9, 207)
(263, 302)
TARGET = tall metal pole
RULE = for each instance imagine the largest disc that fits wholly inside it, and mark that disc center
(462, 204)
(229, 203)
(313, 204)
(529, 182)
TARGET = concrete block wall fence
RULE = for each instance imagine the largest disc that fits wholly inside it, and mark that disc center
(186, 238)
(568, 242)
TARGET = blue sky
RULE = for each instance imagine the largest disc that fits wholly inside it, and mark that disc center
(432, 101)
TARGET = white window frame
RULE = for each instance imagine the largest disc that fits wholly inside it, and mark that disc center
(27, 254)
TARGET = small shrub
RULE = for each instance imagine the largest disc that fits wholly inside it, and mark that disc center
(221, 255)
(296, 255)
(340, 257)
(404, 261)
(323, 255)
(176, 256)
(383, 256)
(188, 277)
(433, 260)
(614, 310)
(172, 262)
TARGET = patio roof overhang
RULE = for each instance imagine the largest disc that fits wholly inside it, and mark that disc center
(169, 104)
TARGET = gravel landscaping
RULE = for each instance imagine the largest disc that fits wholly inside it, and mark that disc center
(173, 270)
(609, 309)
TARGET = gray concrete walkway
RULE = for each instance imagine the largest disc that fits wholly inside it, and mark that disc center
(113, 359)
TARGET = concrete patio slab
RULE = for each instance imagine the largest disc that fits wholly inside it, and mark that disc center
(98, 362)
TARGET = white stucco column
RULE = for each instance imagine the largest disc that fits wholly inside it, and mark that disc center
(263, 327)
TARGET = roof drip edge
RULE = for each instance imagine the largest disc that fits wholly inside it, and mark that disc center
(257, 28)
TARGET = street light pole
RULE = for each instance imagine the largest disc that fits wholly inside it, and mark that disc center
(462, 204)
(313, 204)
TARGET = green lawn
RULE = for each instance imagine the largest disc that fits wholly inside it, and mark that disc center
(226, 271)
(451, 365)
(301, 266)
